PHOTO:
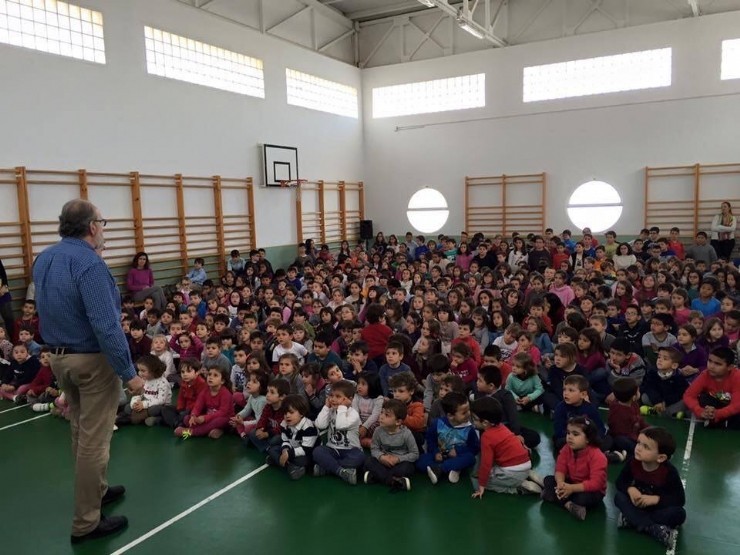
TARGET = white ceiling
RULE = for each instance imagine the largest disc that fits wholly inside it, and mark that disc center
(369, 33)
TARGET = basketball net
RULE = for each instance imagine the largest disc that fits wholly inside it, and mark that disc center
(291, 183)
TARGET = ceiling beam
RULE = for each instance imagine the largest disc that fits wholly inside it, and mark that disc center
(384, 11)
(328, 12)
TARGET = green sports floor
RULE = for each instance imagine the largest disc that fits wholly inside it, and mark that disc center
(173, 502)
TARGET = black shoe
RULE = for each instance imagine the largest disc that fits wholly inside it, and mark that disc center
(114, 493)
(106, 527)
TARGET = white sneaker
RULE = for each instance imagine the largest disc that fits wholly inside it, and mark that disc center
(115, 428)
(536, 478)
(529, 488)
(453, 476)
(432, 475)
(41, 407)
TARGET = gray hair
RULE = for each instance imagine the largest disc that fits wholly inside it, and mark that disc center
(74, 221)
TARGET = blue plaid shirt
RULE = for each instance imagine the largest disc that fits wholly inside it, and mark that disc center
(79, 304)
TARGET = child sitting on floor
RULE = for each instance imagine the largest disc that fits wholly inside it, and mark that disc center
(452, 442)
(650, 495)
(393, 450)
(314, 388)
(298, 436)
(404, 387)
(664, 386)
(368, 402)
(714, 396)
(245, 421)
(192, 385)
(489, 385)
(342, 454)
(450, 382)
(525, 384)
(579, 482)
(505, 466)
(624, 419)
(463, 365)
(36, 391)
(575, 403)
(267, 432)
(213, 408)
(21, 371)
(157, 393)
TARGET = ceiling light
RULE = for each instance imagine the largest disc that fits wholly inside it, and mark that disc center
(469, 27)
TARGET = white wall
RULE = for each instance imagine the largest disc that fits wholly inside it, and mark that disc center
(60, 113)
(609, 137)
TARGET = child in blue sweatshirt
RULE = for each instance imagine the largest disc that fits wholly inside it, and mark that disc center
(575, 403)
(452, 442)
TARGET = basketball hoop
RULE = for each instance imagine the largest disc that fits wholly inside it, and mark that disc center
(292, 183)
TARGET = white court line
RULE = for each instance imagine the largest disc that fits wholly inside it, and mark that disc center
(14, 408)
(186, 512)
(684, 474)
(24, 421)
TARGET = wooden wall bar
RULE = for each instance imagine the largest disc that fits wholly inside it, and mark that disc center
(502, 204)
(171, 217)
(329, 211)
(688, 197)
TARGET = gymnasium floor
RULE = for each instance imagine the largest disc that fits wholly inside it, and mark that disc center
(261, 511)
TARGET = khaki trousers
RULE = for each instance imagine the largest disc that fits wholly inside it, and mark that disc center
(92, 389)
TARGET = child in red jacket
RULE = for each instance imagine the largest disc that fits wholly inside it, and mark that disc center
(505, 466)
(465, 335)
(625, 421)
(461, 364)
(213, 408)
(580, 471)
(376, 334)
(192, 385)
(715, 395)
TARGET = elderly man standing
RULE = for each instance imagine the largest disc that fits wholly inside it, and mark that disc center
(79, 307)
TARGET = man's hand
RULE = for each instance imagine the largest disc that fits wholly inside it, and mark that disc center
(135, 385)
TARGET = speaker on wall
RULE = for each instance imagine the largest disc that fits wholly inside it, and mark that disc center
(366, 229)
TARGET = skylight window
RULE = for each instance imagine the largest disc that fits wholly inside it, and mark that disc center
(53, 27)
(440, 95)
(184, 59)
(731, 59)
(310, 91)
(624, 72)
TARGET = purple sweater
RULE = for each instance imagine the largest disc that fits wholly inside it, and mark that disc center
(138, 280)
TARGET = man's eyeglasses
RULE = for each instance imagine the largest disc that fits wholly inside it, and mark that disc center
(102, 222)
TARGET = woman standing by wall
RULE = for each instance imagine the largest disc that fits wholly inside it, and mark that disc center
(723, 231)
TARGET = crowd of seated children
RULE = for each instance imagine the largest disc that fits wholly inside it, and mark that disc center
(392, 350)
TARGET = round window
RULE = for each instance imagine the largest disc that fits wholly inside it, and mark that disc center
(596, 205)
(427, 210)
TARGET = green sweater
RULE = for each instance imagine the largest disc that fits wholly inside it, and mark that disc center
(530, 387)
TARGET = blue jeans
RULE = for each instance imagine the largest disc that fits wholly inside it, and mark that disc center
(461, 462)
(262, 445)
(333, 460)
(644, 518)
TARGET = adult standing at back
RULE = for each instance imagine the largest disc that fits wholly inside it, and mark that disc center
(724, 225)
(80, 307)
(6, 312)
(140, 282)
